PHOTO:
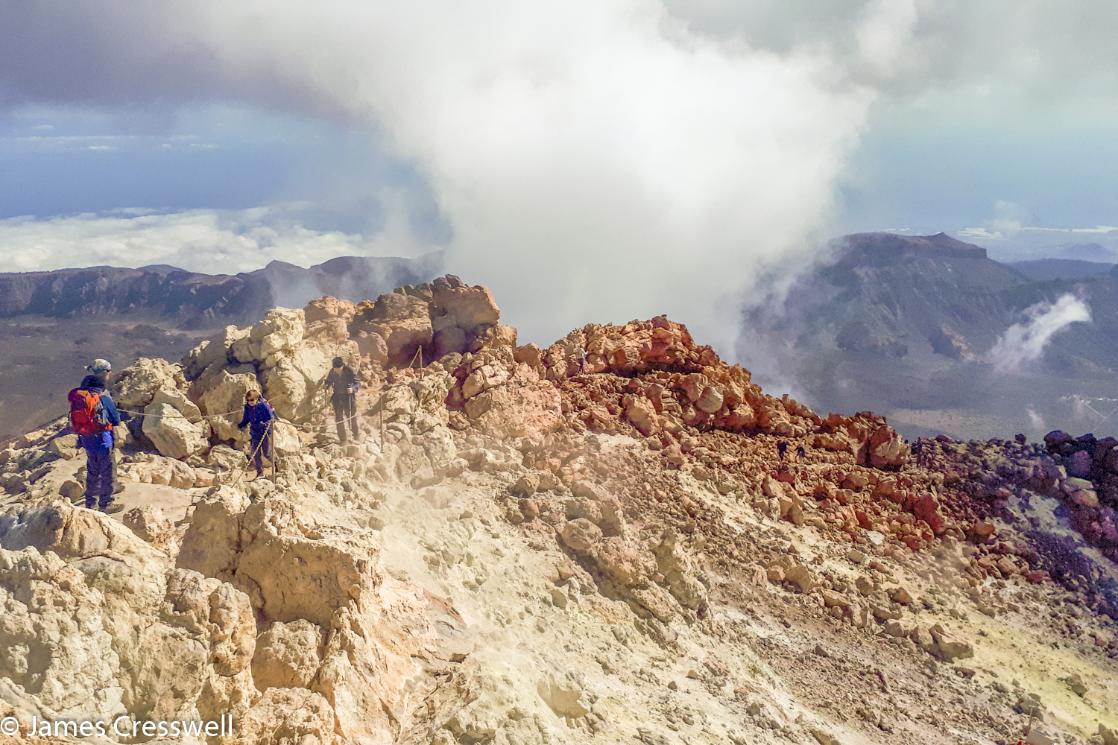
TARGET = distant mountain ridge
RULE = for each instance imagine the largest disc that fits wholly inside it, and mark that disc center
(1043, 270)
(52, 323)
(909, 324)
(198, 300)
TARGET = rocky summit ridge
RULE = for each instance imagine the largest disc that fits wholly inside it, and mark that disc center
(594, 542)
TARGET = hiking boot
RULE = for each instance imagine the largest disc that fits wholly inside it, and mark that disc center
(112, 508)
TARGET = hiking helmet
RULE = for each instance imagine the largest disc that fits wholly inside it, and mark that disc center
(99, 366)
(338, 362)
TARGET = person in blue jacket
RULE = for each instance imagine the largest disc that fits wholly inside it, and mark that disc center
(95, 435)
(258, 417)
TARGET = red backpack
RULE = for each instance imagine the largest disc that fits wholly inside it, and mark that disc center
(86, 415)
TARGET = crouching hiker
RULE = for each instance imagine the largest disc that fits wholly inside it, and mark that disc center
(258, 417)
(93, 415)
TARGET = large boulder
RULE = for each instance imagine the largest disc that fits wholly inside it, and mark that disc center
(289, 390)
(135, 386)
(173, 434)
(454, 303)
(281, 330)
(179, 401)
(328, 308)
(403, 321)
(221, 396)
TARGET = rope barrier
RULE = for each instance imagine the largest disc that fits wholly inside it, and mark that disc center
(204, 416)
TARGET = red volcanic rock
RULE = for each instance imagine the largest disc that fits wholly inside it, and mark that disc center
(926, 508)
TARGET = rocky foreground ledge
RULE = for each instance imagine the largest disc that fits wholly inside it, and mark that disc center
(594, 542)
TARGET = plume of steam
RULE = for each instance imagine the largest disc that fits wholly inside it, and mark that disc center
(594, 160)
(1036, 421)
(1024, 342)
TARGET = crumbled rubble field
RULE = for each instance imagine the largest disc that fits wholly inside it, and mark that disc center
(595, 542)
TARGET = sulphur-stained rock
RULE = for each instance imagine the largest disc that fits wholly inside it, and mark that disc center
(217, 612)
(801, 577)
(950, 647)
(208, 354)
(418, 404)
(148, 523)
(174, 435)
(286, 716)
(71, 489)
(888, 449)
(288, 655)
(372, 346)
(172, 645)
(73, 673)
(484, 375)
(212, 542)
(292, 570)
(676, 567)
(580, 535)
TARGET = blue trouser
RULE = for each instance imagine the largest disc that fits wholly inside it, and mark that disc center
(98, 470)
(261, 444)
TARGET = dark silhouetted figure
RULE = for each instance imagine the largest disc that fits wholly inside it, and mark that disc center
(782, 449)
(343, 396)
(801, 454)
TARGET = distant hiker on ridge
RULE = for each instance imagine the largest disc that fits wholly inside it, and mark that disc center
(92, 417)
(343, 384)
(258, 417)
(782, 449)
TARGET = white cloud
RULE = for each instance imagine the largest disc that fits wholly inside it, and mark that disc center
(593, 160)
(211, 241)
(1025, 342)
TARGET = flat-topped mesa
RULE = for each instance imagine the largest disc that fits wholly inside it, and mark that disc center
(893, 245)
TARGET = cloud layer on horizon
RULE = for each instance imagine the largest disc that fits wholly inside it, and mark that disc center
(208, 241)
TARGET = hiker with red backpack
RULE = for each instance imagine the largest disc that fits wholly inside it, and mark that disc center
(92, 417)
(258, 417)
